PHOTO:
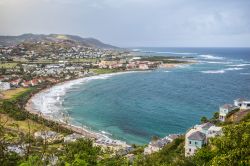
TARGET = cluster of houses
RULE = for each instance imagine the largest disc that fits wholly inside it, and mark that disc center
(131, 64)
(242, 104)
(19, 82)
(55, 50)
(4, 86)
(199, 135)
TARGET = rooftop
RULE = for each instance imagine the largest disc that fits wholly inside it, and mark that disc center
(240, 100)
(227, 106)
(197, 136)
(206, 125)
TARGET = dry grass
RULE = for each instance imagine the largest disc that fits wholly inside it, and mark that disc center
(25, 126)
(8, 65)
(12, 93)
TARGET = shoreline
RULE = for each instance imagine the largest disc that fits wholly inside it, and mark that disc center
(84, 131)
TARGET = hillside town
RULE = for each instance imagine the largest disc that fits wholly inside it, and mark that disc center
(30, 64)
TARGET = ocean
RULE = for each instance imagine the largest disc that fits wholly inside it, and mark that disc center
(135, 106)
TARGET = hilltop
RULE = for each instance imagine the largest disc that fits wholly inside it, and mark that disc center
(88, 42)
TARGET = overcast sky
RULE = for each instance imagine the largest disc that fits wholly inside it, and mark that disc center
(133, 22)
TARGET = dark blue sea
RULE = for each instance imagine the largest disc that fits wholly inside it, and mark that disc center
(136, 106)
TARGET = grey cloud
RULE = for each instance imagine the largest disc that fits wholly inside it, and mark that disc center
(133, 22)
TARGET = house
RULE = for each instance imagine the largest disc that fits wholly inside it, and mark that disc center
(214, 131)
(224, 110)
(25, 84)
(143, 66)
(15, 82)
(4, 86)
(203, 127)
(198, 136)
(34, 82)
(238, 102)
(156, 145)
(245, 105)
(242, 103)
(194, 140)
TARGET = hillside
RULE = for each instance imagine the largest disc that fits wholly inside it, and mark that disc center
(88, 42)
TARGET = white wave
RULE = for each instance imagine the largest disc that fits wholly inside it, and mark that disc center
(211, 57)
(240, 65)
(175, 53)
(136, 49)
(218, 62)
(234, 68)
(213, 71)
(245, 73)
(106, 133)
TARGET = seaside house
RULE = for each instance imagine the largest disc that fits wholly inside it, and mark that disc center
(4, 86)
(198, 136)
(194, 140)
(224, 110)
(241, 103)
(15, 82)
(156, 145)
(214, 131)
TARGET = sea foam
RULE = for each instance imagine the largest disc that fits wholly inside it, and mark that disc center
(211, 57)
(213, 71)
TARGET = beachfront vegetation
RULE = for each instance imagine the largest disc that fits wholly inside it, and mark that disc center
(164, 59)
(105, 71)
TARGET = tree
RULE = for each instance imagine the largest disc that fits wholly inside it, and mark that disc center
(204, 119)
(81, 151)
(216, 115)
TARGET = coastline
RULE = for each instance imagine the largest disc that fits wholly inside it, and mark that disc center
(84, 131)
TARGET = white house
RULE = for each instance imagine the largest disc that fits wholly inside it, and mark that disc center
(4, 86)
(214, 131)
(245, 105)
(224, 110)
(242, 103)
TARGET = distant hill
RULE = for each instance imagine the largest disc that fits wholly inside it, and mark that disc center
(88, 42)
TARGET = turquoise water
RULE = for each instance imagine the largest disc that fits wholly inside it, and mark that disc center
(136, 106)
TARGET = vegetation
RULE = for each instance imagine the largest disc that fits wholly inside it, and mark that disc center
(105, 71)
(164, 59)
(8, 65)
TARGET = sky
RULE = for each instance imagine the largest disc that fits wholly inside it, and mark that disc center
(133, 23)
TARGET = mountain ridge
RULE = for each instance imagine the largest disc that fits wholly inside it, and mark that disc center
(29, 37)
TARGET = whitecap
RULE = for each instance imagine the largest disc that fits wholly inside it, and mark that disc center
(213, 62)
(211, 57)
(175, 53)
(213, 71)
(234, 68)
(240, 65)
